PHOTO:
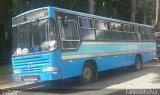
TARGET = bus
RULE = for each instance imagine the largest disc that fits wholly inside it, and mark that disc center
(52, 43)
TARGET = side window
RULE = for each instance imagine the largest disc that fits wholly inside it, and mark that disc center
(132, 28)
(117, 29)
(71, 34)
(117, 26)
(103, 30)
(143, 33)
(86, 28)
(147, 34)
(151, 35)
(68, 34)
(136, 29)
(86, 23)
(61, 28)
(127, 28)
(137, 32)
(142, 29)
(130, 35)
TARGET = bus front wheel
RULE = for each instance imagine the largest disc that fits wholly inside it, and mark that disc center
(89, 73)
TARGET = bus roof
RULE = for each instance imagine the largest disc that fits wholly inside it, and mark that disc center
(83, 14)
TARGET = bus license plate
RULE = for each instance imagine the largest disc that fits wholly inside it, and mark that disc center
(30, 78)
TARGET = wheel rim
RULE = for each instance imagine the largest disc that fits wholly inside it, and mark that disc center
(87, 74)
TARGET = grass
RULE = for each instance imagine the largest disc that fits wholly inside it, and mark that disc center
(5, 69)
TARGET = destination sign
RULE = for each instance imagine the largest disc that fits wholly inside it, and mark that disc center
(30, 16)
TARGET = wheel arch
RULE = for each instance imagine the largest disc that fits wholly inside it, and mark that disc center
(92, 62)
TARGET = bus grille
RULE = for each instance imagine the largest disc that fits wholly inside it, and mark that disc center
(30, 63)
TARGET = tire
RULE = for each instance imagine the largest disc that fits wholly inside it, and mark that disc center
(138, 64)
(89, 74)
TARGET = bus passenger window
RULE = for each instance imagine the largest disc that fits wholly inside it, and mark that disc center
(129, 35)
(69, 34)
(150, 34)
(67, 31)
(61, 28)
(86, 28)
(117, 26)
(137, 31)
(119, 34)
(132, 29)
(85, 23)
(103, 30)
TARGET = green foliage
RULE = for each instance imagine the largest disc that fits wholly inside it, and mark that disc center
(5, 28)
(119, 9)
(149, 7)
(5, 69)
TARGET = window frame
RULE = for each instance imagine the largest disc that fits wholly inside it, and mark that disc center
(110, 30)
(148, 33)
(115, 31)
(61, 40)
(130, 32)
(93, 28)
(92, 22)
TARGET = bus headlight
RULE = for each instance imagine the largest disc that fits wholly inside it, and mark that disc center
(49, 69)
(16, 71)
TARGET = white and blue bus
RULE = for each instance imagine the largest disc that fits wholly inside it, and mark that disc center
(54, 44)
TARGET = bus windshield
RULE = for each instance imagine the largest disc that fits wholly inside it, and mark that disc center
(36, 36)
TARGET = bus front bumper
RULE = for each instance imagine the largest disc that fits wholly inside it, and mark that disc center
(36, 77)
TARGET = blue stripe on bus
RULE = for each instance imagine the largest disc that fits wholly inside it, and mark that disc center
(110, 48)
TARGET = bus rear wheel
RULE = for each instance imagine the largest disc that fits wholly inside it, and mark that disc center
(138, 63)
(89, 74)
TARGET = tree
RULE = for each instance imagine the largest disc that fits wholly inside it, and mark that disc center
(133, 10)
(157, 12)
(91, 6)
(5, 30)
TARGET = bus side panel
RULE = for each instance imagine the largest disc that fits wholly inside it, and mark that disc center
(105, 63)
(121, 60)
(148, 56)
(121, 56)
(108, 62)
(105, 55)
(71, 68)
(131, 59)
(72, 61)
(131, 56)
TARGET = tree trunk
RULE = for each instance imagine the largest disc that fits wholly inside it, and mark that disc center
(91, 6)
(157, 12)
(133, 10)
(145, 12)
